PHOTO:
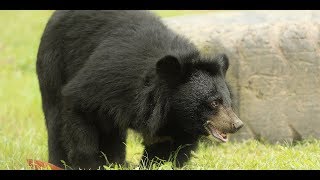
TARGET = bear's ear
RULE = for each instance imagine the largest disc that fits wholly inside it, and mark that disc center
(168, 67)
(223, 61)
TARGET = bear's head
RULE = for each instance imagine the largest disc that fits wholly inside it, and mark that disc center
(200, 99)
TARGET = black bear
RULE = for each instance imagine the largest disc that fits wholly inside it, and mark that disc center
(102, 72)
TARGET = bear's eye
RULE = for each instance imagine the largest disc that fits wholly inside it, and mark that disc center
(214, 104)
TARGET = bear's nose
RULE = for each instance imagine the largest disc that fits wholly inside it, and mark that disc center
(237, 125)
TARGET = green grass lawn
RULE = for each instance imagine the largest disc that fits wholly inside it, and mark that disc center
(22, 129)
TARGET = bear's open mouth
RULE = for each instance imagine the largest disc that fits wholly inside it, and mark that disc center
(216, 133)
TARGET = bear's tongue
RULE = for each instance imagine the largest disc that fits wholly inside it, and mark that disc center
(217, 134)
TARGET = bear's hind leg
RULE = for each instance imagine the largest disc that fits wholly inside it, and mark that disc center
(56, 152)
(81, 141)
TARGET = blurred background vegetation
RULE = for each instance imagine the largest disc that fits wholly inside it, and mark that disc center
(22, 128)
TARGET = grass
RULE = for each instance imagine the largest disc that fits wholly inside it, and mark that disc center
(22, 129)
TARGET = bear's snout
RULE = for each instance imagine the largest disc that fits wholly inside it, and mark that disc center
(226, 120)
(237, 125)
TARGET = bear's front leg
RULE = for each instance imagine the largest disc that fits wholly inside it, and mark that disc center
(80, 139)
(179, 149)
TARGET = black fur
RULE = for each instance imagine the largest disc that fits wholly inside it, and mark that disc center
(102, 72)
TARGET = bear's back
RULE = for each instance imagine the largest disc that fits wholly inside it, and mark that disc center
(115, 34)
